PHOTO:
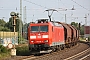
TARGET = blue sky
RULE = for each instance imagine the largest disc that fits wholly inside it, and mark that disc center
(36, 9)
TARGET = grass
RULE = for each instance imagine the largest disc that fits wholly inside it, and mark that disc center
(4, 52)
(4, 55)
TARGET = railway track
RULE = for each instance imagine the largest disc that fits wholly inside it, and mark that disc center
(80, 56)
(84, 55)
(59, 55)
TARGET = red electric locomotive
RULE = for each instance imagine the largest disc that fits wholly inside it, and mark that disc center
(43, 35)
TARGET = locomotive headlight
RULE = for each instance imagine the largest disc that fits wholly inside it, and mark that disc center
(46, 41)
(32, 37)
(32, 41)
(44, 36)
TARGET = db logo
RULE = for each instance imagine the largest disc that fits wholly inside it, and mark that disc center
(39, 36)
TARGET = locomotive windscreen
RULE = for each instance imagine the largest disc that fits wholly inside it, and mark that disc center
(43, 28)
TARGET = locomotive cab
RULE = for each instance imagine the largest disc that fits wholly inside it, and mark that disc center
(38, 35)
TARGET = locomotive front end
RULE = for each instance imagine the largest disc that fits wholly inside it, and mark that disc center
(38, 36)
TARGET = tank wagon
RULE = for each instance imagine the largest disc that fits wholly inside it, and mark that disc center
(46, 36)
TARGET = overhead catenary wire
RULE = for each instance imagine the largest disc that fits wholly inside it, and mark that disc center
(80, 5)
(32, 9)
(40, 5)
(62, 3)
(29, 9)
(36, 4)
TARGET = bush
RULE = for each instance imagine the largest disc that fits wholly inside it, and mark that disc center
(3, 49)
(89, 38)
(4, 52)
(23, 51)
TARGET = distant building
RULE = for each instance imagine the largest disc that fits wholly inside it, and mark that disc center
(87, 31)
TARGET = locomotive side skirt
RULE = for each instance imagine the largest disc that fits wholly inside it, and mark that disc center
(57, 43)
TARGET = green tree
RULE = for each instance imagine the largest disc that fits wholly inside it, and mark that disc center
(75, 24)
(10, 24)
(82, 30)
(2, 22)
(3, 26)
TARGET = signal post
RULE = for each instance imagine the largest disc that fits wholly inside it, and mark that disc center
(13, 16)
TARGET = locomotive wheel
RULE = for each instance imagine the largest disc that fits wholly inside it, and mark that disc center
(66, 45)
(59, 48)
(62, 47)
(53, 49)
